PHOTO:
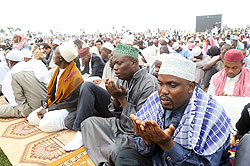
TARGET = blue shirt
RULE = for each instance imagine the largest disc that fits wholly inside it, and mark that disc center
(179, 155)
(184, 52)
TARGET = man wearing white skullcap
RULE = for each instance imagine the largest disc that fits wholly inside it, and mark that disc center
(63, 91)
(13, 57)
(200, 61)
(180, 50)
(176, 125)
(26, 54)
(159, 59)
(24, 85)
(106, 50)
(55, 43)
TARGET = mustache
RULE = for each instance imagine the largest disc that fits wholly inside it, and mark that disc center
(165, 96)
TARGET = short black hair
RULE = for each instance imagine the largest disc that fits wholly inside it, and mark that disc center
(78, 43)
(46, 46)
(98, 41)
(164, 49)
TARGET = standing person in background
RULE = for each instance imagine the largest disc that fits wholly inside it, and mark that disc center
(38, 55)
(49, 54)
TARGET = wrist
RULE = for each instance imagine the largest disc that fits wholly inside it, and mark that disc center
(123, 101)
(148, 143)
(166, 146)
(44, 104)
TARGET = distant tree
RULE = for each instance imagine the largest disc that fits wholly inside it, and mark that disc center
(40, 33)
(2, 31)
(51, 31)
(10, 30)
(17, 29)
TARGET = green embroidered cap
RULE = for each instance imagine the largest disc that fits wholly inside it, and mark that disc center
(127, 50)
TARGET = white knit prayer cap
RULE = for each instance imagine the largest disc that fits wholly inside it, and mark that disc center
(196, 51)
(108, 46)
(56, 41)
(177, 65)
(26, 53)
(149, 54)
(68, 51)
(175, 46)
(14, 55)
(128, 40)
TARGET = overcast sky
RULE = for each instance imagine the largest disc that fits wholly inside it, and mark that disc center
(136, 15)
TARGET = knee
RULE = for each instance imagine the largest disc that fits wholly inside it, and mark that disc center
(87, 85)
(87, 122)
(46, 126)
(126, 157)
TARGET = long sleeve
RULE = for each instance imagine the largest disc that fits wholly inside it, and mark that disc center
(70, 103)
(47, 61)
(188, 54)
(133, 106)
(178, 155)
(142, 148)
(202, 62)
(137, 92)
(97, 66)
(20, 98)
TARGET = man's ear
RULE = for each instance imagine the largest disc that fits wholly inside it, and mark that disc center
(135, 61)
(61, 59)
(191, 86)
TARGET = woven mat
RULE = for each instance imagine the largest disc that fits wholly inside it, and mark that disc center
(27, 145)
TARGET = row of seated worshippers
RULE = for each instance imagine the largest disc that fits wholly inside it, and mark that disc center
(141, 119)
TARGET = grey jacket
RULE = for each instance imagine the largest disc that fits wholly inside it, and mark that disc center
(28, 92)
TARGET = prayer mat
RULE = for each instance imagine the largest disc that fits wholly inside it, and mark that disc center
(27, 145)
(76, 158)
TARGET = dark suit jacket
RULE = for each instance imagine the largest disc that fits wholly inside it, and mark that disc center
(97, 65)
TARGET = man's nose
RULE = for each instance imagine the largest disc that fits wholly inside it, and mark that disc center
(115, 67)
(165, 89)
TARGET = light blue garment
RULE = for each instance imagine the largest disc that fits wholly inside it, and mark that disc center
(247, 62)
(184, 52)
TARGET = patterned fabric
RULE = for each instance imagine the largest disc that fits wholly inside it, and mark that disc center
(232, 152)
(242, 87)
(177, 65)
(127, 50)
(204, 126)
(22, 42)
(211, 42)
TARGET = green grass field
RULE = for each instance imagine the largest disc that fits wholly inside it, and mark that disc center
(3, 159)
